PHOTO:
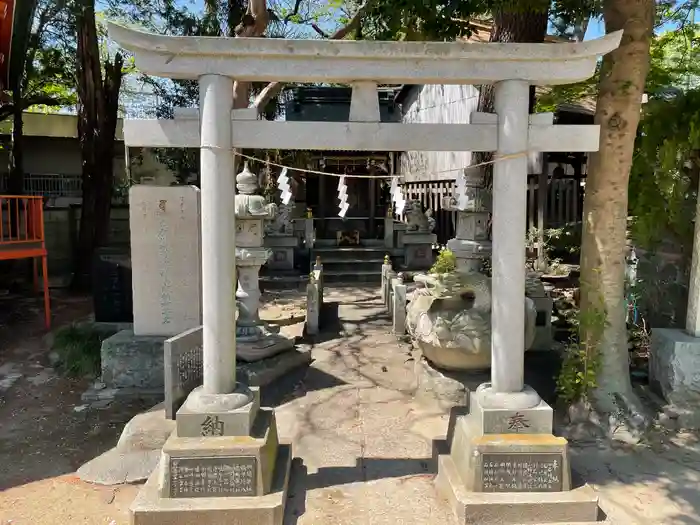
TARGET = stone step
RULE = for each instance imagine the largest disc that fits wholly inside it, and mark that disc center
(283, 282)
(355, 276)
(353, 266)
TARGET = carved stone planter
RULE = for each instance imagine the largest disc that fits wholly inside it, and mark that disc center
(453, 328)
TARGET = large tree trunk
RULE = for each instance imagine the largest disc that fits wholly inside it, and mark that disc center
(97, 122)
(605, 206)
(522, 25)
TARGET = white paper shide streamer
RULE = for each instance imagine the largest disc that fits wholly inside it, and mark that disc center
(284, 186)
(343, 197)
(397, 197)
(461, 190)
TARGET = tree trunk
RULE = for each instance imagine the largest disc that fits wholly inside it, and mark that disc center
(97, 122)
(605, 205)
(524, 26)
(16, 182)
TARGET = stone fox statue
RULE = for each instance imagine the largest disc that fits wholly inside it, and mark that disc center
(417, 220)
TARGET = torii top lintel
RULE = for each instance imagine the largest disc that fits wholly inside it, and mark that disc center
(283, 60)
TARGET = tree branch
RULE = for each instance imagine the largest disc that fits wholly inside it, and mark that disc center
(274, 88)
(295, 12)
(320, 31)
(7, 110)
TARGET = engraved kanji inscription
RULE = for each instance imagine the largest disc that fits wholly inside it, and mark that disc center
(517, 423)
(212, 426)
(522, 472)
(207, 477)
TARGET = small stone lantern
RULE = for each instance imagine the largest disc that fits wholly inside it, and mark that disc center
(255, 340)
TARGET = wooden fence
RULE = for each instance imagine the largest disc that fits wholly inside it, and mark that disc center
(563, 205)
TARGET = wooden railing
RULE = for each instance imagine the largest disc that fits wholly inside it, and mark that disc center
(22, 221)
(22, 237)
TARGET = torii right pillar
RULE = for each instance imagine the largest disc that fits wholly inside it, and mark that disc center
(505, 465)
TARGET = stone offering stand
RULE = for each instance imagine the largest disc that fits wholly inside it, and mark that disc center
(224, 462)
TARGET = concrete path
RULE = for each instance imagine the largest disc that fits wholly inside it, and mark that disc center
(365, 445)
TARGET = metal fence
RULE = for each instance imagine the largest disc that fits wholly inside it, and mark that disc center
(563, 205)
(48, 185)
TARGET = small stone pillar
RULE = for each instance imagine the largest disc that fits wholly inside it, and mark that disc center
(386, 268)
(309, 231)
(255, 339)
(389, 230)
(314, 300)
(399, 307)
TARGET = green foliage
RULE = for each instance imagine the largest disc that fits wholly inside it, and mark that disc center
(78, 348)
(666, 171)
(578, 375)
(445, 262)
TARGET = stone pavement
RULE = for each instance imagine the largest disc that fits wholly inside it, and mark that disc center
(364, 445)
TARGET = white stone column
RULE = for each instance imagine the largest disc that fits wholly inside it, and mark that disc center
(217, 180)
(692, 316)
(508, 256)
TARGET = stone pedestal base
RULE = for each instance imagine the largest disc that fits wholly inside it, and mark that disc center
(506, 467)
(150, 509)
(418, 250)
(674, 367)
(488, 508)
(282, 248)
(222, 465)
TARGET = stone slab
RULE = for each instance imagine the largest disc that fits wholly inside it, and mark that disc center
(116, 467)
(131, 361)
(674, 372)
(232, 459)
(419, 238)
(150, 509)
(165, 256)
(217, 419)
(262, 373)
(275, 241)
(182, 358)
(262, 348)
(513, 508)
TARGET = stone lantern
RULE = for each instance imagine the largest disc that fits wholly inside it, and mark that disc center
(255, 339)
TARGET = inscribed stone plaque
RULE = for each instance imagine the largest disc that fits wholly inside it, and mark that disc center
(217, 477)
(522, 472)
(183, 368)
(165, 257)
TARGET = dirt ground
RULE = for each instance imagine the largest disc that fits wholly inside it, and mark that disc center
(43, 439)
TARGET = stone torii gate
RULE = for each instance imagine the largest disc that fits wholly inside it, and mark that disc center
(218, 130)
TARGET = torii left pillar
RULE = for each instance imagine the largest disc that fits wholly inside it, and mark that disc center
(224, 456)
